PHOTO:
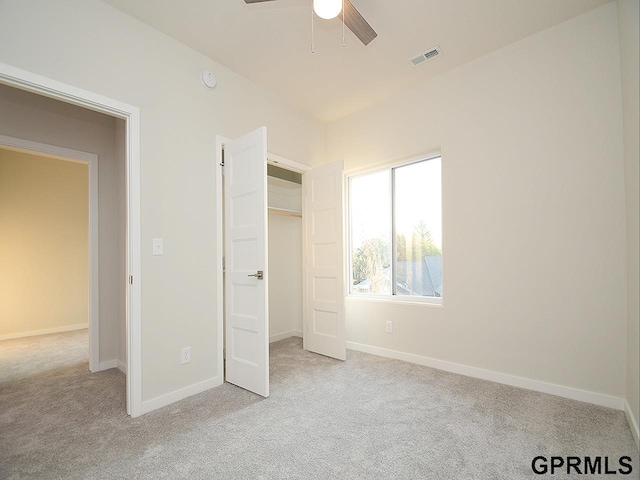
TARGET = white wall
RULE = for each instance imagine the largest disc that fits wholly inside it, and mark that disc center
(44, 244)
(628, 19)
(121, 175)
(88, 44)
(285, 276)
(533, 208)
(40, 119)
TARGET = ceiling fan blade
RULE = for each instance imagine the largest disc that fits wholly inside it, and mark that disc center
(356, 23)
(256, 1)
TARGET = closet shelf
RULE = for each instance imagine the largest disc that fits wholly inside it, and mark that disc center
(284, 212)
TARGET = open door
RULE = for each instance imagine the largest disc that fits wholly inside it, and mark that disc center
(246, 278)
(324, 328)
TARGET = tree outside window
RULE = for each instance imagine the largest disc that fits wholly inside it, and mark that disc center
(407, 200)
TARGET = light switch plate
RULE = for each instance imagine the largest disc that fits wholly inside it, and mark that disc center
(158, 246)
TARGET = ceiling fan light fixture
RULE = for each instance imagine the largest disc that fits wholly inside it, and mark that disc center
(327, 9)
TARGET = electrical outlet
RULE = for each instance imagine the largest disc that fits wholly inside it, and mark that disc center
(389, 326)
(186, 355)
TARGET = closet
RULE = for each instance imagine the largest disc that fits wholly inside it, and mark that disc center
(284, 193)
(269, 214)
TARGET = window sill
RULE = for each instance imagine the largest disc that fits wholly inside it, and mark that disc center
(399, 299)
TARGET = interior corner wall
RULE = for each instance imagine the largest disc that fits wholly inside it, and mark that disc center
(44, 250)
(90, 45)
(40, 119)
(533, 208)
(628, 19)
(285, 276)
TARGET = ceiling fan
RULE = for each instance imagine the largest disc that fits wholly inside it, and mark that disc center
(352, 19)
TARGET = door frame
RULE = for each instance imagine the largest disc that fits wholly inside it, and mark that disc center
(47, 87)
(282, 162)
(271, 159)
(91, 160)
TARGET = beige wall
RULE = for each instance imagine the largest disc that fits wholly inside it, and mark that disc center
(90, 45)
(32, 117)
(43, 243)
(628, 19)
(533, 208)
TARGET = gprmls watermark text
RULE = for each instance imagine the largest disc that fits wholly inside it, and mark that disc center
(596, 465)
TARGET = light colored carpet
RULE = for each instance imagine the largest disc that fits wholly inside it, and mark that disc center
(366, 418)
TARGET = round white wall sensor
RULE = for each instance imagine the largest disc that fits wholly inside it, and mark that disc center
(208, 80)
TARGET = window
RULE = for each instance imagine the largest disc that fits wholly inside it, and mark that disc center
(396, 231)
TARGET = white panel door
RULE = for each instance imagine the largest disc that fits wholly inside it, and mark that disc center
(245, 225)
(324, 273)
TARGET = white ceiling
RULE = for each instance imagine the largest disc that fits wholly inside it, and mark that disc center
(269, 43)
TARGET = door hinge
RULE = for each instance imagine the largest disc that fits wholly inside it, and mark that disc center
(130, 279)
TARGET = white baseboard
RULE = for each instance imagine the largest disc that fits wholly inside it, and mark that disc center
(45, 331)
(633, 423)
(169, 398)
(514, 381)
(121, 366)
(281, 336)
(107, 364)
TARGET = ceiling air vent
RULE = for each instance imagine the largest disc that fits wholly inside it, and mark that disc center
(428, 55)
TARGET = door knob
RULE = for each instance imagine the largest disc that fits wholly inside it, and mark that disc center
(259, 275)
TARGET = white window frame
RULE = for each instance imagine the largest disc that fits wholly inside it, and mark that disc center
(404, 299)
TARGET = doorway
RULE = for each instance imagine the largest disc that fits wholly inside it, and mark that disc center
(42, 86)
(285, 226)
(243, 289)
(46, 205)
